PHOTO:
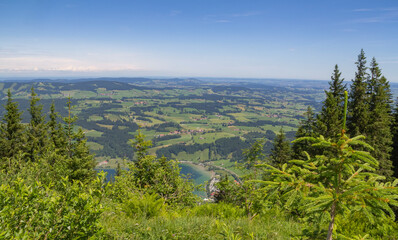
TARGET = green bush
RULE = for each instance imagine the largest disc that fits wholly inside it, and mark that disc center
(218, 210)
(62, 211)
(271, 227)
(145, 205)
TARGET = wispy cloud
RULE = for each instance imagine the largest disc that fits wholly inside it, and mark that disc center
(175, 13)
(43, 64)
(222, 21)
(362, 10)
(370, 20)
(226, 18)
(389, 9)
(377, 15)
(246, 14)
(18, 52)
(349, 30)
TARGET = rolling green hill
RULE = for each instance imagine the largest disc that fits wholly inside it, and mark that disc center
(188, 119)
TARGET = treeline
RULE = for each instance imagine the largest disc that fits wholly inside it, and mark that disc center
(114, 140)
(49, 188)
(165, 127)
(59, 104)
(52, 87)
(224, 148)
(338, 174)
(164, 138)
(331, 184)
(28, 142)
(370, 113)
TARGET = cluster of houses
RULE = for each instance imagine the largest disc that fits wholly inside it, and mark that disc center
(179, 132)
(198, 119)
(140, 103)
(107, 94)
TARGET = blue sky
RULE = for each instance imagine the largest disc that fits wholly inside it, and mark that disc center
(196, 38)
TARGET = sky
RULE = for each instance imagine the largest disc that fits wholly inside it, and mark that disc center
(196, 38)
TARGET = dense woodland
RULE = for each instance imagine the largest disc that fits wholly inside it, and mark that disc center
(337, 179)
(110, 112)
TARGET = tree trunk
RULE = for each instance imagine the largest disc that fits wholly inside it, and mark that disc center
(331, 224)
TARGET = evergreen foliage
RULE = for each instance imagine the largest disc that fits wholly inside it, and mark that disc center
(379, 127)
(244, 193)
(343, 183)
(37, 132)
(358, 99)
(254, 154)
(57, 135)
(46, 193)
(329, 120)
(79, 163)
(12, 131)
(152, 175)
(394, 129)
(281, 152)
(339, 186)
(307, 128)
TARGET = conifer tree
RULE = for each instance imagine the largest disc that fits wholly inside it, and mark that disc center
(79, 163)
(57, 135)
(254, 154)
(2, 139)
(394, 129)
(307, 128)
(13, 138)
(281, 152)
(37, 135)
(379, 127)
(330, 118)
(68, 127)
(118, 170)
(342, 183)
(358, 99)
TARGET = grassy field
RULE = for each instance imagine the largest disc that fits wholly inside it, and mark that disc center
(205, 113)
(205, 225)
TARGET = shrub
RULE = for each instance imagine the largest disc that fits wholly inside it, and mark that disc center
(63, 210)
(145, 205)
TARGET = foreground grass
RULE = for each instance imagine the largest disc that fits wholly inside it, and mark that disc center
(191, 226)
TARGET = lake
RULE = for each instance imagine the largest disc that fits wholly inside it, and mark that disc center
(196, 173)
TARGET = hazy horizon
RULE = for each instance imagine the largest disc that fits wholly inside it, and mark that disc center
(199, 39)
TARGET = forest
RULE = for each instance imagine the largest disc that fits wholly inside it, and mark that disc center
(337, 179)
(176, 114)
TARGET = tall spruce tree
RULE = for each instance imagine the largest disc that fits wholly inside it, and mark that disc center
(281, 152)
(37, 135)
(13, 137)
(336, 189)
(307, 128)
(379, 127)
(357, 106)
(79, 162)
(254, 154)
(329, 120)
(57, 135)
(394, 129)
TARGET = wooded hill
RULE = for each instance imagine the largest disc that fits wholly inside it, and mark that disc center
(187, 119)
(334, 181)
